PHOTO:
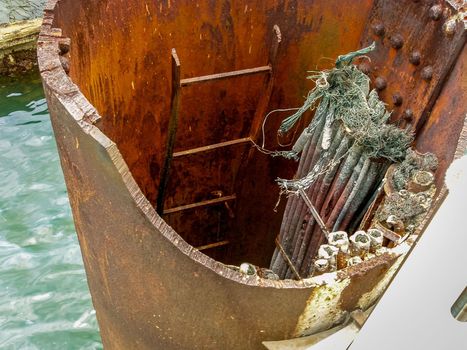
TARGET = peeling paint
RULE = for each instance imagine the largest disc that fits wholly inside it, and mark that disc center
(322, 308)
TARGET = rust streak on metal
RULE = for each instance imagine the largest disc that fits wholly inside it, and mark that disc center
(269, 84)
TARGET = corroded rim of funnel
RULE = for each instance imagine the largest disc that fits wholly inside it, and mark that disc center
(69, 95)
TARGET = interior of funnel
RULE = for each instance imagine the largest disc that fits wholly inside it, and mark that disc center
(120, 58)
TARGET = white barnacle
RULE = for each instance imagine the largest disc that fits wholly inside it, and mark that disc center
(376, 238)
(340, 240)
(321, 265)
(360, 242)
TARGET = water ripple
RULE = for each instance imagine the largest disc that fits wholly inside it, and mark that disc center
(44, 297)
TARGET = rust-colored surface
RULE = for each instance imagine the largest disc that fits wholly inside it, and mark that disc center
(375, 270)
(413, 55)
(120, 58)
(150, 288)
(441, 133)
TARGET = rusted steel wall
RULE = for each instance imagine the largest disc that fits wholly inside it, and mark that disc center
(419, 70)
(120, 58)
(447, 121)
(415, 53)
(151, 289)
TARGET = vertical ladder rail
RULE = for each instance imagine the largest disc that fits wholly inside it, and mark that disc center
(178, 84)
(173, 121)
(266, 95)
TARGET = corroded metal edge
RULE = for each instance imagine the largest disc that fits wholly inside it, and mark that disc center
(462, 145)
(342, 292)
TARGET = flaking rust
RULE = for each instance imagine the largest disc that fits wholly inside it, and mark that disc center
(338, 293)
(322, 309)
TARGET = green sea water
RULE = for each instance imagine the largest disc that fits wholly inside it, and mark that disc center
(44, 297)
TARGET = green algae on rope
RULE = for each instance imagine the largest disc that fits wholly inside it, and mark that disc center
(343, 154)
(343, 98)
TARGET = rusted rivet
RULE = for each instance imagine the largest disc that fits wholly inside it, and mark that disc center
(427, 73)
(64, 45)
(364, 67)
(397, 41)
(408, 115)
(65, 64)
(449, 28)
(379, 29)
(435, 12)
(397, 99)
(380, 83)
(415, 57)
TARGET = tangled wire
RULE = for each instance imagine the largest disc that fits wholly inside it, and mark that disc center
(343, 98)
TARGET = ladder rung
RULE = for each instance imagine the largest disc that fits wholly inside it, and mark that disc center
(211, 147)
(235, 73)
(201, 204)
(213, 245)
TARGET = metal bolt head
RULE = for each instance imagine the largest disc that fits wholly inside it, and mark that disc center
(380, 83)
(397, 41)
(435, 12)
(427, 73)
(340, 240)
(397, 99)
(379, 29)
(415, 58)
(408, 115)
(449, 28)
(359, 242)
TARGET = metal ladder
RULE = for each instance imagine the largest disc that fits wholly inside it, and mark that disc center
(176, 88)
